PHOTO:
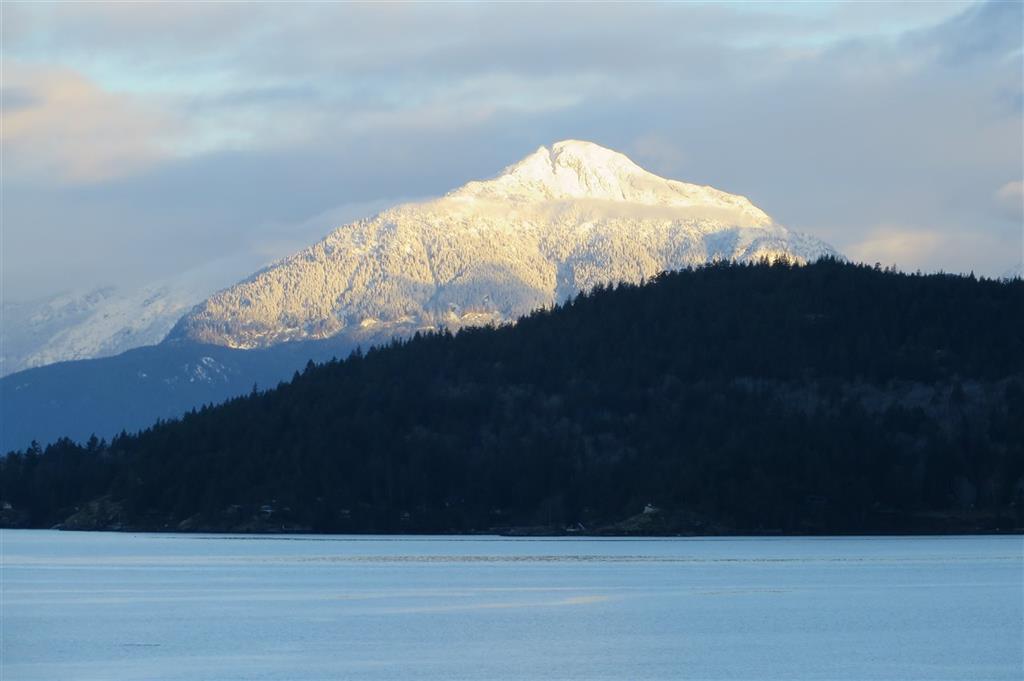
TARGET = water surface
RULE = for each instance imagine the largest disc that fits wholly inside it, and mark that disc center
(109, 606)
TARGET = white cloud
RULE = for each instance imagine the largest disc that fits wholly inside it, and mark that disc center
(905, 247)
(61, 125)
(910, 248)
(1011, 199)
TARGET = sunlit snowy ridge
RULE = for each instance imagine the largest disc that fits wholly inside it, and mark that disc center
(562, 220)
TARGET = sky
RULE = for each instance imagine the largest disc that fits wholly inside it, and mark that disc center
(141, 140)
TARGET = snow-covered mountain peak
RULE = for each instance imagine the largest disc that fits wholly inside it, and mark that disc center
(582, 168)
(577, 170)
(562, 220)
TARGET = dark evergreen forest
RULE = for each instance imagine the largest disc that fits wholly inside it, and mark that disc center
(827, 398)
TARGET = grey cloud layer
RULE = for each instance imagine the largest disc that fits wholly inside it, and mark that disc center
(866, 126)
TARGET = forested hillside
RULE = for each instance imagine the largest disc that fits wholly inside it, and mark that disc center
(728, 398)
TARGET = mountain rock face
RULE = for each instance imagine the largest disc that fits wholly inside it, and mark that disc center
(562, 220)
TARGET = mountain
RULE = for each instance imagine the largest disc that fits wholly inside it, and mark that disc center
(561, 221)
(108, 320)
(828, 398)
(134, 389)
(101, 322)
(30, 327)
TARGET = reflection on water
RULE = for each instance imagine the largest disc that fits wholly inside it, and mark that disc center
(187, 607)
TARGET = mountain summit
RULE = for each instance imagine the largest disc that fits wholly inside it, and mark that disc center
(562, 220)
(583, 170)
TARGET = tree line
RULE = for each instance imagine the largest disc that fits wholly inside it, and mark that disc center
(765, 397)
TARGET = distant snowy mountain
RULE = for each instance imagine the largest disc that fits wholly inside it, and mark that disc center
(98, 323)
(109, 320)
(106, 321)
(562, 220)
(29, 326)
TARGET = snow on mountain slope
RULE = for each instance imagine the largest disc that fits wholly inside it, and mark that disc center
(28, 326)
(560, 221)
(110, 320)
(98, 323)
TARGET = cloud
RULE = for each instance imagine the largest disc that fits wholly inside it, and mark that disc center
(13, 99)
(657, 153)
(199, 129)
(59, 124)
(1010, 198)
(905, 247)
(982, 32)
(912, 248)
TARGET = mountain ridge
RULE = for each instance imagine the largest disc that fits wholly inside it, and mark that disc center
(575, 169)
(560, 221)
(725, 399)
(91, 324)
(486, 253)
(108, 320)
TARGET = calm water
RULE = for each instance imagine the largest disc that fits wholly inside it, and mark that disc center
(142, 606)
